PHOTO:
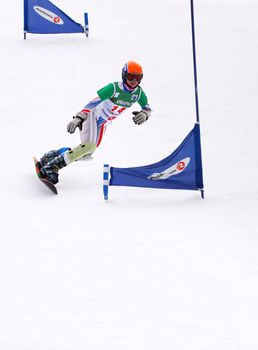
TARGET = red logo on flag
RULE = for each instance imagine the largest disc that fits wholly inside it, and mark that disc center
(180, 166)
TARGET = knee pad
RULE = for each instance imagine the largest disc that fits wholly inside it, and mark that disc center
(78, 152)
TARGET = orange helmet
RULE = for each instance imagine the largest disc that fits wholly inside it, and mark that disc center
(132, 70)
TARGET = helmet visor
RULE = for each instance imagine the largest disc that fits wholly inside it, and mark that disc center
(137, 77)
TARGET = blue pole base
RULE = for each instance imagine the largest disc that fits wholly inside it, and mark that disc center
(86, 24)
(105, 181)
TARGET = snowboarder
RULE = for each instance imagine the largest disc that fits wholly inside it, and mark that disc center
(93, 119)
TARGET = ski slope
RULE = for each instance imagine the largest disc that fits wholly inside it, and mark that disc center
(149, 269)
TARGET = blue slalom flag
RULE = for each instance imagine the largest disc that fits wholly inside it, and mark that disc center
(180, 170)
(43, 17)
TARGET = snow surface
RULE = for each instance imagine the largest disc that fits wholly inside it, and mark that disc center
(149, 269)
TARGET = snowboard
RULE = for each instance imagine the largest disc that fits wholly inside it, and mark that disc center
(47, 183)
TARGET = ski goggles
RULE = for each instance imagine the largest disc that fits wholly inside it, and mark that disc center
(137, 77)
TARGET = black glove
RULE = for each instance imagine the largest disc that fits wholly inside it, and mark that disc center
(140, 117)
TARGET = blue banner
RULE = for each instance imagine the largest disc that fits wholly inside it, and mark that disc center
(181, 170)
(43, 17)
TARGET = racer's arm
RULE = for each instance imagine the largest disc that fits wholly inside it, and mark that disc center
(103, 94)
(143, 115)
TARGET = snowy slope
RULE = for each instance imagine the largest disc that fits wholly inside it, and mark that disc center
(149, 269)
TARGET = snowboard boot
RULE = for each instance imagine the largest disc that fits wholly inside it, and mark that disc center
(51, 163)
(52, 154)
(50, 170)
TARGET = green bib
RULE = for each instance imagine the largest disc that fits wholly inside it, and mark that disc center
(119, 97)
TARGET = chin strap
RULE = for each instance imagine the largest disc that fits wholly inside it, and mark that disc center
(128, 88)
